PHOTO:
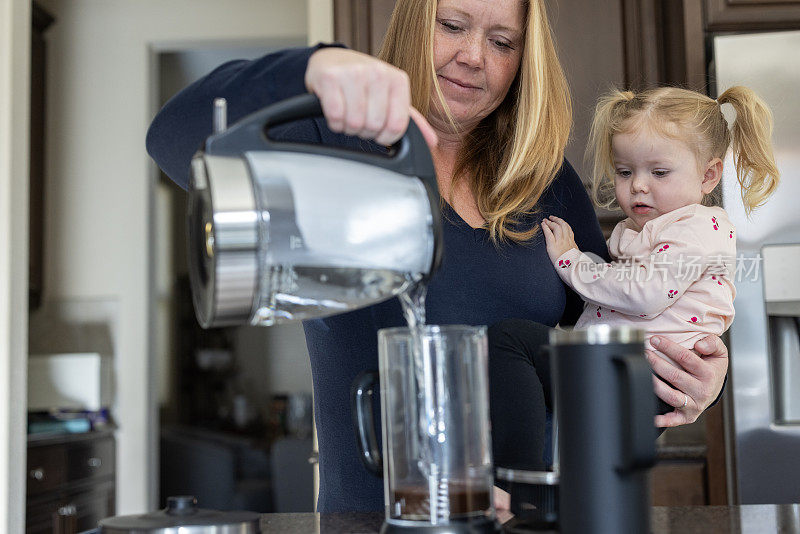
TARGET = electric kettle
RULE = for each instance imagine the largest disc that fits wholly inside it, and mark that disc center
(282, 232)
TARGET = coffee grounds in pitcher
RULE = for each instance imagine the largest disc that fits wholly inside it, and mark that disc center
(414, 502)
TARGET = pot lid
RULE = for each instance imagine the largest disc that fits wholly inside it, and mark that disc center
(182, 515)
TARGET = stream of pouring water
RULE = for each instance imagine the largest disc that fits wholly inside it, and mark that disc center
(431, 426)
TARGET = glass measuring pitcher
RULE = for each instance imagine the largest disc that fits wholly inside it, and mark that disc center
(436, 461)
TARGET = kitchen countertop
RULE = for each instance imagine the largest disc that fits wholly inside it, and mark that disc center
(745, 519)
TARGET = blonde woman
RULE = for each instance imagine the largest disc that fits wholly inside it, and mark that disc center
(482, 80)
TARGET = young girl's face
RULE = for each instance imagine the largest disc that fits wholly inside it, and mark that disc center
(654, 174)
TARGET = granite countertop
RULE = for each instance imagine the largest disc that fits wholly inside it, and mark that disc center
(746, 519)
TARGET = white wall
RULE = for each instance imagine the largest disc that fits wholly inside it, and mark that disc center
(14, 106)
(320, 21)
(99, 176)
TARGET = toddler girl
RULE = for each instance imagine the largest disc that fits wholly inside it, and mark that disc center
(658, 157)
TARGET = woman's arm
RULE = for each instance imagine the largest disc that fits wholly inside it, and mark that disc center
(698, 383)
(360, 95)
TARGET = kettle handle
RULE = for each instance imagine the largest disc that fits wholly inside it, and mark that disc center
(363, 422)
(639, 435)
(409, 156)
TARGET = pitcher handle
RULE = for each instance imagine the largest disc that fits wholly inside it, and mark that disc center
(639, 434)
(364, 423)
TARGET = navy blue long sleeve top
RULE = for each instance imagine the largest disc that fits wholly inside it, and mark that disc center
(479, 282)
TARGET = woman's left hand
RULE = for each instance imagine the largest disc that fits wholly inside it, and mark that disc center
(695, 385)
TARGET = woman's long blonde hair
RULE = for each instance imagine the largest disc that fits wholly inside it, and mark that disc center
(696, 120)
(515, 153)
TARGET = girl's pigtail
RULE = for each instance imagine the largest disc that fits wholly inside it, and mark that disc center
(607, 118)
(752, 146)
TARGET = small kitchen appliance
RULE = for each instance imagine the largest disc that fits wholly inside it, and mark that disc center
(181, 516)
(436, 462)
(605, 403)
(282, 232)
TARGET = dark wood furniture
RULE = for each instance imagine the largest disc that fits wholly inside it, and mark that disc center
(41, 21)
(361, 25)
(667, 41)
(70, 475)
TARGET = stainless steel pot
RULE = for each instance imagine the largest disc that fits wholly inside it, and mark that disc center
(181, 516)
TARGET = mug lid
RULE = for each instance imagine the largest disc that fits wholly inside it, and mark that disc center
(598, 334)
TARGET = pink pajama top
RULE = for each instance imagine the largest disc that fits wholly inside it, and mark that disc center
(673, 278)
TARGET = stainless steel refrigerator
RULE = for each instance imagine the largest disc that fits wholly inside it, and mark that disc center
(765, 336)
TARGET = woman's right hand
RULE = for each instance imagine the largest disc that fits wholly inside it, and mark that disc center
(364, 96)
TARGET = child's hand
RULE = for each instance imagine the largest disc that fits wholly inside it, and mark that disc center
(558, 236)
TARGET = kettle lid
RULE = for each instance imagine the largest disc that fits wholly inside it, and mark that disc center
(182, 516)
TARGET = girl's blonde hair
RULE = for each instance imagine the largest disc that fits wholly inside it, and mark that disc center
(697, 120)
(515, 153)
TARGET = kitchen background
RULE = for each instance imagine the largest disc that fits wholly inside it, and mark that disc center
(111, 282)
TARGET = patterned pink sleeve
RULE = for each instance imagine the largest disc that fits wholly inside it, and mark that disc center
(651, 282)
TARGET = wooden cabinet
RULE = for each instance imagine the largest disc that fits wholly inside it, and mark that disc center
(737, 15)
(690, 467)
(41, 21)
(70, 474)
(667, 41)
(361, 25)
(679, 483)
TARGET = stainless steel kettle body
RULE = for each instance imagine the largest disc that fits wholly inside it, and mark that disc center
(281, 232)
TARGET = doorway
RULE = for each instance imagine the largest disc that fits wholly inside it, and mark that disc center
(215, 393)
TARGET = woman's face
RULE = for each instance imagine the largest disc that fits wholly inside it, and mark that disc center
(477, 48)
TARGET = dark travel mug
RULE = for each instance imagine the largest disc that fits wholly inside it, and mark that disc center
(605, 404)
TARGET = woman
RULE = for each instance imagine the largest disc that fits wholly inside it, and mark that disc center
(482, 80)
